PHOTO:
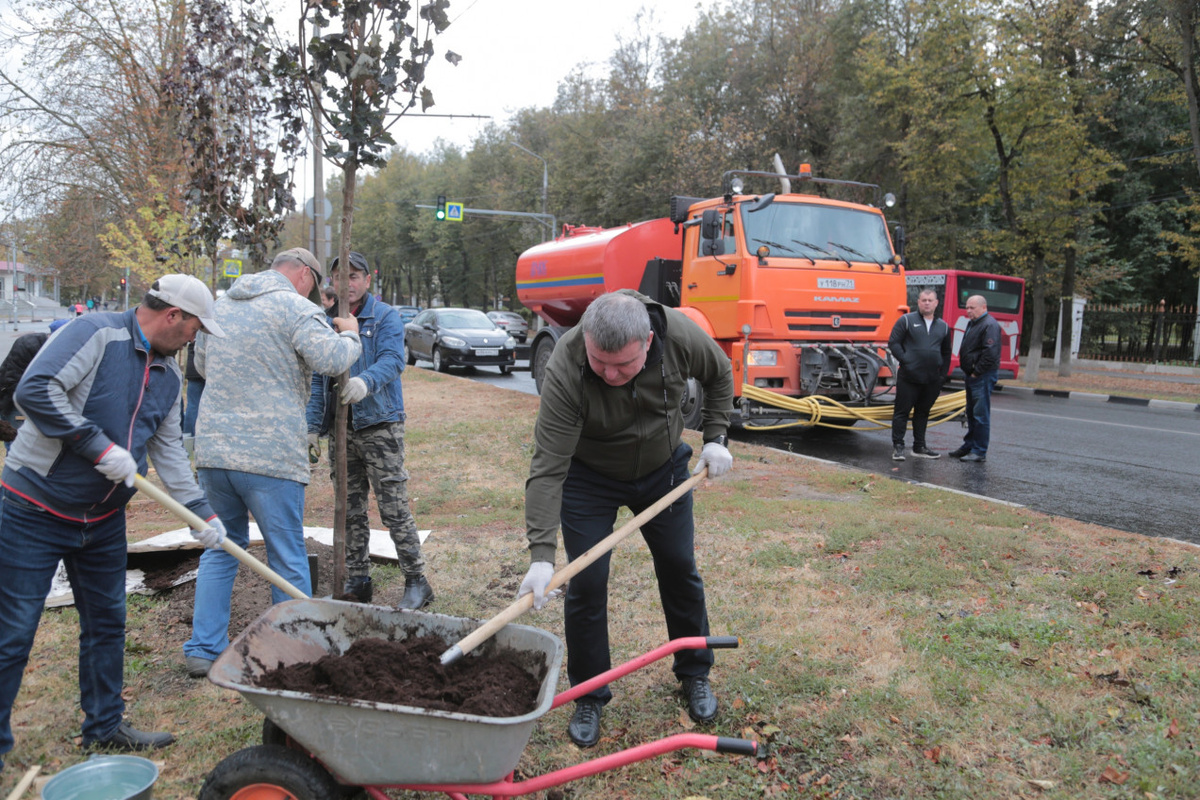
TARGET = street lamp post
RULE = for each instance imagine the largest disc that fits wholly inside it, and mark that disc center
(545, 175)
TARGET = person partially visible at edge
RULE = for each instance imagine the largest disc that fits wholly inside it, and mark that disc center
(608, 435)
(100, 398)
(195, 388)
(921, 344)
(329, 300)
(374, 441)
(12, 368)
(979, 357)
(251, 439)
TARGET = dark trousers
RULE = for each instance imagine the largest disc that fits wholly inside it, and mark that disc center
(979, 411)
(589, 508)
(917, 398)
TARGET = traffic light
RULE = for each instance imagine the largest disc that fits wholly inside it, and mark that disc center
(122, 283)
(441, 208)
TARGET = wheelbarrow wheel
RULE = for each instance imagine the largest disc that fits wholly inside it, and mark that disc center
(270, 772)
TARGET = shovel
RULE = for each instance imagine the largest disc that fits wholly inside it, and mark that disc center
(525, 601)
(193, 520)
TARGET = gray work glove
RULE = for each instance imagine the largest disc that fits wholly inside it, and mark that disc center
(717, 458)
(536, 581)
(212, 536)
(117, 465)
(354, 390)
(314, 448)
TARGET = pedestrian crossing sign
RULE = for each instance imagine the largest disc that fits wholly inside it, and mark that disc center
(232, 267)
(454, 212)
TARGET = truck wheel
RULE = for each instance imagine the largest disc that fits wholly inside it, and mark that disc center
(269, 772)
(505, 369)
(541, 357)
(439, 363)
(692, 405)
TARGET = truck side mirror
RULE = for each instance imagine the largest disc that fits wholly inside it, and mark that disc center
(900, 241)
(711, 241)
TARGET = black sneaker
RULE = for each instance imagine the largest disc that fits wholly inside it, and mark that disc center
(897, 452)
(925, 452)
(584, 728)
(129, 739)
(702, 703)
(974, 457)
(960, 452)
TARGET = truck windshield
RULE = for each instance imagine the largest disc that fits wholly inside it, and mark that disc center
(808, 231)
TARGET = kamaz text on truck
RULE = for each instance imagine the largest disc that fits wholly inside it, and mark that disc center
(800, 290)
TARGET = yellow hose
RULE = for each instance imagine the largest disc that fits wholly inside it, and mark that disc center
(817, 409)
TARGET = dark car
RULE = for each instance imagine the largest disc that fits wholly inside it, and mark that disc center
(408, 313)
(512, 322)
(458, 337)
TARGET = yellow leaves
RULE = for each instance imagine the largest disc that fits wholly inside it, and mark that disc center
(1040, 784)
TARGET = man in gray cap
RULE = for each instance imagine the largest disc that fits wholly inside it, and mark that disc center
(251, 438)
(100, 397)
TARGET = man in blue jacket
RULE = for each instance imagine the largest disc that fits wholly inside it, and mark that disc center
(100, 397)
(921, 343)
(374, 441)
(979, 357)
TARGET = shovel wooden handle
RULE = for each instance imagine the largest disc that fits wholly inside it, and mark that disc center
(525, 601)
(195, 522)
(25, 782)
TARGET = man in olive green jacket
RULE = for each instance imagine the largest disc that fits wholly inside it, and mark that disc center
(608, 435)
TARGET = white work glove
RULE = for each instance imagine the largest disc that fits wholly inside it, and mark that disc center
(354, 390)
(118, 465)
(536, 581)
(212, 536)
(314, 448)
(717, 458)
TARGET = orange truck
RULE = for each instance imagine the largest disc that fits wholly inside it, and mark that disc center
(800, 290)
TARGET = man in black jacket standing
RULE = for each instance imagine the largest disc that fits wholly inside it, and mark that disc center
(979, 357)
(921, 344)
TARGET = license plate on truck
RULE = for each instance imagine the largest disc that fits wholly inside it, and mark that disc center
(489, 351)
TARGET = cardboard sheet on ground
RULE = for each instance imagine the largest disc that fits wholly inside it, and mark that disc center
(381, 548)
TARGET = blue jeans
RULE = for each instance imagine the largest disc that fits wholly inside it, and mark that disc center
(194, 389)
(590, 503)
(979, 411)
(32, 542)
(278, 508)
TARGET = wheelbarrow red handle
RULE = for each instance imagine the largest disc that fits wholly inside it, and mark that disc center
(739, 747)
(525, 601)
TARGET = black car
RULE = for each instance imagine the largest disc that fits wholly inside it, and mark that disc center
(458, 337)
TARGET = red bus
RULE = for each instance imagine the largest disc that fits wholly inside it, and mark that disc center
(1005, 297)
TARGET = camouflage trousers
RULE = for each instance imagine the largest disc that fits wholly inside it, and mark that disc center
(375, 461)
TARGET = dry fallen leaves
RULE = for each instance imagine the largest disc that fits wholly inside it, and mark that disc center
(1113, 775)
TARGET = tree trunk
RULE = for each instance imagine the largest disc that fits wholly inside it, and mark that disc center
(1038, 325)
(1067, 305)
(349, 173)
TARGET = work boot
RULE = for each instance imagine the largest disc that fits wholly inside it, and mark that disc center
(702, 703)
(584, 727)
(197, 666)
(417, 593)
(897, 452)
(360, 588)
(128, 739)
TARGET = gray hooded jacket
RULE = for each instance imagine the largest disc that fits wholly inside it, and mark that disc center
(258, 377)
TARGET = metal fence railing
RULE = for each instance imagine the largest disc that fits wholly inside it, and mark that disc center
(1145, 333)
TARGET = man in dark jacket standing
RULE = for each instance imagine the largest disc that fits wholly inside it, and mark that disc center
(921, 344)
(374, 442)
(979, 357)
(23, 350)
(608, 435)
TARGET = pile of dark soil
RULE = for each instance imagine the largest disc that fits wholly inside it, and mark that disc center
(503, 683)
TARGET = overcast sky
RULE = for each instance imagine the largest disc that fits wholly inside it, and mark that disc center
(514, 54)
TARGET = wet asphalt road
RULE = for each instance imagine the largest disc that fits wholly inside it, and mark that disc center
(1134, 468)
(1128, 467)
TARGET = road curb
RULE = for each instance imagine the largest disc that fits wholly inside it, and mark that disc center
(1172, 405)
